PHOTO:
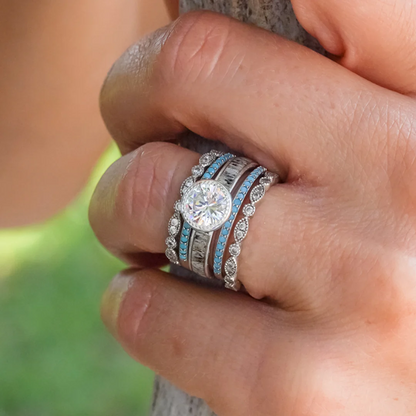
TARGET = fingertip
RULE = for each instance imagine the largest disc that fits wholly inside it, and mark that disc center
(112, 300)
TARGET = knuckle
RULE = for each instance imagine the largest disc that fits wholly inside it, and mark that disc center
(195, 46)
(393, 276)
(131, 71)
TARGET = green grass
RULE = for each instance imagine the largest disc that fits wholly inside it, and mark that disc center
(56, 358)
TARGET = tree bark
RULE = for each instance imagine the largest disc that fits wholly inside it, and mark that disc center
(274, 15)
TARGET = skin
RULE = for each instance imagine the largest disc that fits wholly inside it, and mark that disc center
(53, 58)
(328, 326)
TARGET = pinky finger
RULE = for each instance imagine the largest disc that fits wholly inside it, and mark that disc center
(207, 341)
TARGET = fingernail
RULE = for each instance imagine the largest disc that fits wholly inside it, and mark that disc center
(112, 300)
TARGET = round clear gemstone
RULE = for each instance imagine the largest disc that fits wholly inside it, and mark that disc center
(187, 183)
(235, 250)
(206, 159)
(197, 170)
(171, 242)
(239, 235)
(249, 210)
(207, 205)
(178, 206)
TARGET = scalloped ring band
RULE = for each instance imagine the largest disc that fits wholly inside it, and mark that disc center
(211, 220)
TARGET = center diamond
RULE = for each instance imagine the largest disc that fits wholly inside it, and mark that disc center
(207, 205)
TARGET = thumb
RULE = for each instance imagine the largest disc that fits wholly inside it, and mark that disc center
(372, 38)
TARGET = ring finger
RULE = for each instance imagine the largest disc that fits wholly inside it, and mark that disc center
(134, 200)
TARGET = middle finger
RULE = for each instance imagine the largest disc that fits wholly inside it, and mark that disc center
(270, 98)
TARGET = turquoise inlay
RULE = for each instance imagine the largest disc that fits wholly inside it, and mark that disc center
(186, 229)
(241, 194)
(183, 248)
(216, 165)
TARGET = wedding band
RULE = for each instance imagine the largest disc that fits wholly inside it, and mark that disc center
(204, 221)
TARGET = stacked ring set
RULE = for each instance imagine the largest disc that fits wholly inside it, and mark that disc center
(211, 219)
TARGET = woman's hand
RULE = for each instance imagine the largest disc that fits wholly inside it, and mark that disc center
(331, 252)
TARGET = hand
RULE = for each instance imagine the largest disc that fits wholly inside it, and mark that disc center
(330, 252)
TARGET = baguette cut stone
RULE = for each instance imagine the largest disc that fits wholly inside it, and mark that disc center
(207, 205)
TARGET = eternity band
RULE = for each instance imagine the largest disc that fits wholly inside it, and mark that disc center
(213, 212)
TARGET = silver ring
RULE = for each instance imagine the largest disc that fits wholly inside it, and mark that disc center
(226, 179)
(205, 218)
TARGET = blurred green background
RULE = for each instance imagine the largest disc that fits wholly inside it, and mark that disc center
(56, 358)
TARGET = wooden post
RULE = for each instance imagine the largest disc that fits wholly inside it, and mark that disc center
(274, 15)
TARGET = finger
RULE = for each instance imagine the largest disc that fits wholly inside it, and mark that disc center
(133, 202)
(372, 38)
(203, 340)
(134, 199)
(260, 94)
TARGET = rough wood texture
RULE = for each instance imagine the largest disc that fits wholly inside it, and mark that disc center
(274, 15)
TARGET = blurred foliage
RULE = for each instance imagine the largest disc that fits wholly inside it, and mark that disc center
(56, 358)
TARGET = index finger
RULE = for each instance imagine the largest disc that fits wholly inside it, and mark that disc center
(265, 96)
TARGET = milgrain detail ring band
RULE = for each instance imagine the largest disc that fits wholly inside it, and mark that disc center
(226, 229)
(241, 229)
(199, 248)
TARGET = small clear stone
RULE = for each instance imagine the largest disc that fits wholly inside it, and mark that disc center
(206, 159)
(174, 225)
(241, 230)
(249, 210)
(216, 153)
(172, 256)
(170, 242)
(273, 176)
(207, 205)
(232, 284)
(197, 171)
(187, 183)
(231, 267)
(257, 193)
(178, 206)
(266, 180)
(235, 249)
